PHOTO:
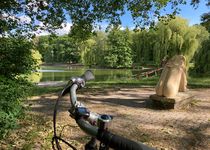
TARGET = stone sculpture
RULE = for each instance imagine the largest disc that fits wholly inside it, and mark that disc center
(173, 77)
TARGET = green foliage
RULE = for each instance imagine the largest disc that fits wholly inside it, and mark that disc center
(24, 16)
(119, 53)
(12, 93)
(16, 57)
(202, 59)
(205, 19)
(120, 48)
(96, 51)
(34, 77)
(84, 14)
(93, 50)
(176, 37)
(142, 46)
(88, 55)
(37, 57)
(58, 49)
(42, 44)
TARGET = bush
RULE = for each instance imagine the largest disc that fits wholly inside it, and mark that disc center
(16, 56)
(12, 94)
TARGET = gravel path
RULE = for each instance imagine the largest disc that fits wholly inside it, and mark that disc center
(162, 129)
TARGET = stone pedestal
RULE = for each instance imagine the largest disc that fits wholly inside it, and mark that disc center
(182, 100)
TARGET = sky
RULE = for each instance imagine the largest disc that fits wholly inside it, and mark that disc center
(194, 15)
(187, 11)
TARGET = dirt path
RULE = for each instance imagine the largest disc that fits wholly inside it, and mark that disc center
(187, 129)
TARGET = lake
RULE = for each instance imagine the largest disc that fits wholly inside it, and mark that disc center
(63, 73)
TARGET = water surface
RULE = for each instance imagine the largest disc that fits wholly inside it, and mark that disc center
(62, 73)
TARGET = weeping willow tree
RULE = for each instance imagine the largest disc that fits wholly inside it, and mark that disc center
(162, 42)
(174, 38)
(177, 37)
(142, 46)
(202, 59)
(190, 45)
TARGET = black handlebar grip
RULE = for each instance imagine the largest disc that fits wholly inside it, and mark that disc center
(120, 143)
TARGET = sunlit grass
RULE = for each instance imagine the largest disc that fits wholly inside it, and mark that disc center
(199, 82)
(45, 90)
(193, 82)
(125, 82)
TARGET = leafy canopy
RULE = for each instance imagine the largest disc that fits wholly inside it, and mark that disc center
(24, 16)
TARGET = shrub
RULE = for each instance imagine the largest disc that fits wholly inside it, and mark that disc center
(16, 57)
(12, 94)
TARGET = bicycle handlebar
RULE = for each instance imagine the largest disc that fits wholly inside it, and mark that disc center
(119, 142)
(88, 121)
(87, 127)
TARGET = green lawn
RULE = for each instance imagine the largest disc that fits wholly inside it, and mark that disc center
(199, 82)
(193, 82)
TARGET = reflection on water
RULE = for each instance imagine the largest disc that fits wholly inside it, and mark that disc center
(40, 70)
(53, 73)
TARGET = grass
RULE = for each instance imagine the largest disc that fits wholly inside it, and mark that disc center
(32, 130)
(36, 90)
(125, 83)
(193, 82)
(199, 82)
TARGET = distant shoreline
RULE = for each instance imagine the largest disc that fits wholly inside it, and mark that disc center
(62, 64)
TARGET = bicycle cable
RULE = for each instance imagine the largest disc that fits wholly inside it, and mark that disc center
(55, 139)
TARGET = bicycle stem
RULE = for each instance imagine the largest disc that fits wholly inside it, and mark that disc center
(83, 124)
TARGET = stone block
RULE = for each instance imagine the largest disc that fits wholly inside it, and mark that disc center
(180, 101)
